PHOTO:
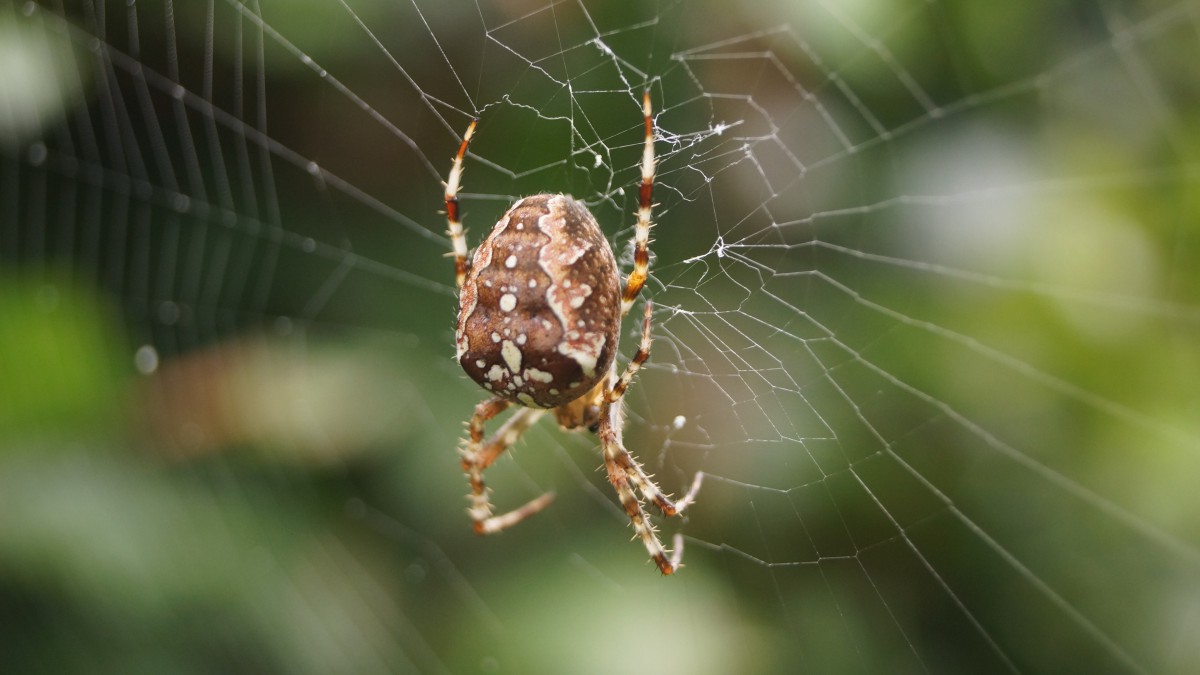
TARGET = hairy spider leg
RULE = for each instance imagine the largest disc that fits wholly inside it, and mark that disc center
(475, 459)
(627, 475)
(457, 238)
(641, 250)
(635, 364)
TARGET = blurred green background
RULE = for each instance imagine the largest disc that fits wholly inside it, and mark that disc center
(927, 289)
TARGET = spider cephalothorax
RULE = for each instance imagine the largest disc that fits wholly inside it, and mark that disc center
(539, 318)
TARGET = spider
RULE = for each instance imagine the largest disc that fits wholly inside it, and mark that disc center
(539, 317)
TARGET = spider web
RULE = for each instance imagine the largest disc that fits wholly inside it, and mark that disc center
(926, 311)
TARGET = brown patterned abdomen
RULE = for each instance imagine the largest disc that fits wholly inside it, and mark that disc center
(539, 312)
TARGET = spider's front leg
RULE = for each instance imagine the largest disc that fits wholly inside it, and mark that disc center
(628, 479)
(627, 475)
(478, 456)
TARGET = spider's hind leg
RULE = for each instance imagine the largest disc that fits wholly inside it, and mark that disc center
(641, 237)
(457, 238)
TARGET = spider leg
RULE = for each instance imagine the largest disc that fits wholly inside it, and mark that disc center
(627, 475)
(641, 250)
(622, 481)
(635, 364)
(507, 435)
(477, 458)
(639, 477)
(651, 491)
(457, 239)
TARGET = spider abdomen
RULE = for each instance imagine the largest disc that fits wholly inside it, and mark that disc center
(539, 312)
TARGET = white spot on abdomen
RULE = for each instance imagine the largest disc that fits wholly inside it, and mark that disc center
(578, 297)
(507, 302)
(539, 376)
(585, 350)
(512, 356)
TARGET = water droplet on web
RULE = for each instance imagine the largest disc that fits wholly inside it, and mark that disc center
(145, 359)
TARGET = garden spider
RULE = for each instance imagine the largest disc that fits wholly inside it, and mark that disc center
(539, 317)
